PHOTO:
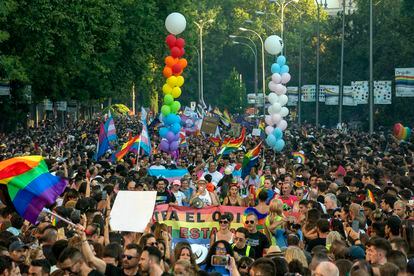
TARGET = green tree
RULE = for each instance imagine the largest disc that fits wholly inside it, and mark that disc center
(233, 93)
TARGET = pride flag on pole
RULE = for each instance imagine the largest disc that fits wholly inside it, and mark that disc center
(233, 144)
(145, 142)
(127, 147)
(110, 129)
(30, 185)
(103, 143)
(250, 160)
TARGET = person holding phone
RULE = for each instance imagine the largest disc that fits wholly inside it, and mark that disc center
(218, 258)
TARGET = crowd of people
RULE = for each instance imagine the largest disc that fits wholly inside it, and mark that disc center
(352, 199)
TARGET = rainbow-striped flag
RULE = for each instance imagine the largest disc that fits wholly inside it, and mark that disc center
(183, 139)
(233, 144)
(370, 196)
(30, 185)
(299, 157)
(215, 140)
(250, 160)
(131, 145)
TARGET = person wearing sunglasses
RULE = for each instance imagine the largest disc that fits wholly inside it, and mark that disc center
(224, 232)
(240, 246)
(72, 262)
(222, 249)
(257, 240)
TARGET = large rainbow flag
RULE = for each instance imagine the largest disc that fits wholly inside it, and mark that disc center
(131, 145)
(250, 160)
(30, 185)
(233, 144)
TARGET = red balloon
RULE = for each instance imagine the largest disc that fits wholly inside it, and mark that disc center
(180, 43)
(175, 52)
(398, 130)
(171, 40)
(182, 52)
(176, 68)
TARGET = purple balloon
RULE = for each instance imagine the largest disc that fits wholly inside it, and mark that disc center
(170, 136)
(177, 137)
(164, 145)
(174, 146)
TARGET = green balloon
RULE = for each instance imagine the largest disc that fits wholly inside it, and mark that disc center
(175, 106)
(168, 99)
(165, 110)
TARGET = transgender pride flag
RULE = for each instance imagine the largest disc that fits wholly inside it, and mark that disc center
(145, 143)
(110, 130)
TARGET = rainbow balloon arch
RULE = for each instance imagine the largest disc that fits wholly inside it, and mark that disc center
(175, 64)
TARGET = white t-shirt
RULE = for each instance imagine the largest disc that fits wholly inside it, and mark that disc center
(216, 177)
(159, 167)
(179, 197)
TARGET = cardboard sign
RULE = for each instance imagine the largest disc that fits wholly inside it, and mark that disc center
(132, 210)
(209, 125)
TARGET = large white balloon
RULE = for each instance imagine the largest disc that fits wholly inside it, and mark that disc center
(269, 130)
(273, 98)
(275, 108)
(272, 86)
(175, 23)
(276, 118)
(283, 99)
(284, 111)
(280, 89)
(276, 78)
(273, 44)
(282, 125)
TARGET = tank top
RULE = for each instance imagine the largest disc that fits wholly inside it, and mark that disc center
(206, 199)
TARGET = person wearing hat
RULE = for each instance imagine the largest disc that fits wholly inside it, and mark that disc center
(202, 194)
(233, 197)
(179, 196)
(18, 252)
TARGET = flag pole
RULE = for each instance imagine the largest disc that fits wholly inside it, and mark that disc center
(59, 217)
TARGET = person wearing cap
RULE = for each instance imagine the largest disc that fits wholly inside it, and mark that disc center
(18, 252)
(208, 198)
(179, 196)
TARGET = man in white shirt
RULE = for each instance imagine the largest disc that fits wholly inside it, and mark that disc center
(157, 164)
(179, 196)
(212, 170)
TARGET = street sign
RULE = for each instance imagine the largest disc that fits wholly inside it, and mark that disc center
(61, 106)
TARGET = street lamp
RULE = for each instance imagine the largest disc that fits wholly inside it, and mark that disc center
(255, 53)
(283, 4)
(263, 23)
(371, 83)
(255, 64)
(200, 26)
(263, 67)
(317, 61)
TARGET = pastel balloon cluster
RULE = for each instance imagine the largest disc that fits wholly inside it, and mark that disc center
(174, 66)
(401, 133)
(277, 110)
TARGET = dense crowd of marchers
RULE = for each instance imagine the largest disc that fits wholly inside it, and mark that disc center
(352, 199)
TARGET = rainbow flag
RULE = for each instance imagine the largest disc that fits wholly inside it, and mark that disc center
(233, 144)
(250, 160)
(30, 185)
(183, 140)
(131, 145)
(299, 157)
(215, 140)
(370, 196)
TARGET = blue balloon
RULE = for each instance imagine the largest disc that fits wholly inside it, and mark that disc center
(284, 69)
(177, 119)
(275, 68)
(271, 140)
(279, 145)
(163, 132)
(278, 133)
(175, 128)
(281, 60)
(169, 119)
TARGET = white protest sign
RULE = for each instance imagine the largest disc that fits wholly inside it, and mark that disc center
(132, 210)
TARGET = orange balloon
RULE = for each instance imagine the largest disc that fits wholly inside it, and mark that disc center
(183, 62)
(169, 61)
(167, 72)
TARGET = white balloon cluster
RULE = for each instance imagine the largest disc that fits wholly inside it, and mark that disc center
(277, 110)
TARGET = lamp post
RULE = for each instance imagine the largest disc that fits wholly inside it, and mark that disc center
(341, 79)
(255, 63)
(198, 71)
(371, 90)
(263, 67)
(200, 26)
(283, 4)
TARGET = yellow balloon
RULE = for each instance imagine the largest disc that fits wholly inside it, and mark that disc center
(172, 81)
(180, 81)
(176, 92)
(167, 89)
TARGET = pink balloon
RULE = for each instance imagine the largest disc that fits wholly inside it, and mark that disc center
(282, 125)
(276, 78)
(285, 78)
(272, 86)
(276, 118)
(280, 89)
(269, 130)
(268, 120)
